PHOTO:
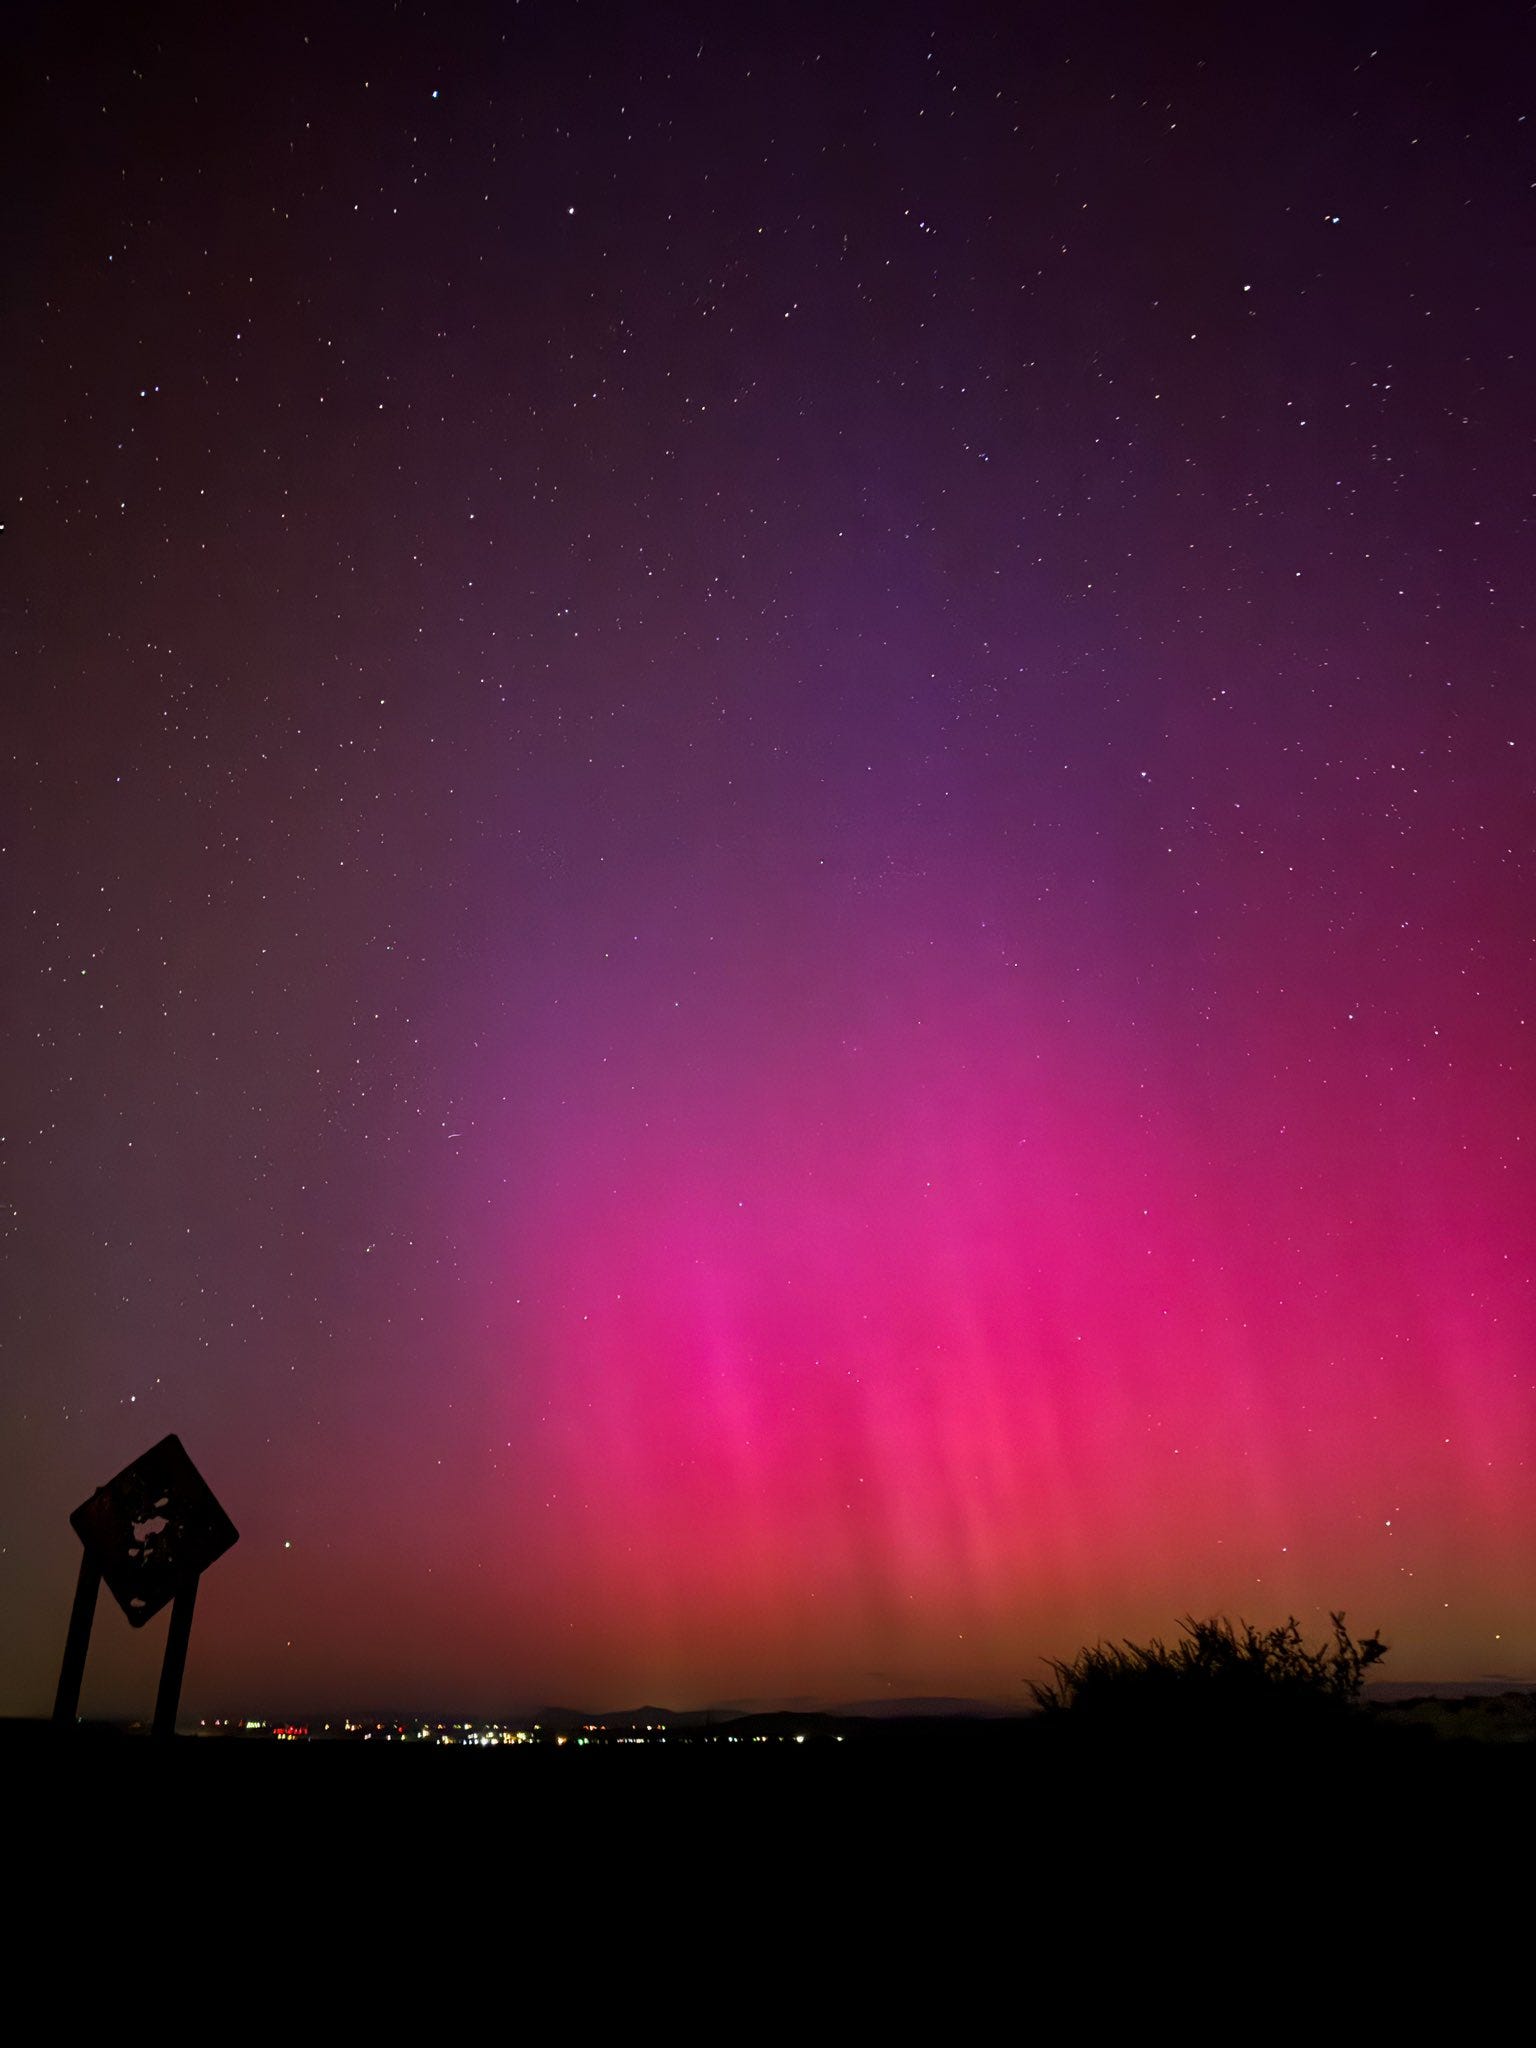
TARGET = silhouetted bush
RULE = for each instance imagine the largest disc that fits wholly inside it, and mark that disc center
(1219, 1674)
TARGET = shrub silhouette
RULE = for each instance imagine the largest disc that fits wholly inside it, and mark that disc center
(1219, 1673)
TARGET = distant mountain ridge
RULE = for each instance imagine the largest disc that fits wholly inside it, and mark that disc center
(920, 1708)
(925, 1707)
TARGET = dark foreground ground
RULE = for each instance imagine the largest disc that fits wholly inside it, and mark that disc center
(922, 1879)
(808, 1785)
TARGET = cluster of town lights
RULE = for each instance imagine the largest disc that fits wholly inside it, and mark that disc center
(481, 1735)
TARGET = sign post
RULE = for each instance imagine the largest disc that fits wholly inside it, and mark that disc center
(151, 1533)
(66, 1702)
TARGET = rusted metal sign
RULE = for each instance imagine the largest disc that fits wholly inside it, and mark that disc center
(152, 1529)
(151, 1533)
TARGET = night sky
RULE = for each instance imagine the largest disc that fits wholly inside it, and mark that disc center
(768, 836)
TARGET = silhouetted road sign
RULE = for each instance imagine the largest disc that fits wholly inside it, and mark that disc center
(153, 1529)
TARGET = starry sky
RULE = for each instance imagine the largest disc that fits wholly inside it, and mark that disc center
(768, 836)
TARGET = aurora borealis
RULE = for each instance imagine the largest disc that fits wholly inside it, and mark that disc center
(769, 839)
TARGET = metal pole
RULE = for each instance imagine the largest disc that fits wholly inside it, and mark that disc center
(175, 1663)
(66, 1701)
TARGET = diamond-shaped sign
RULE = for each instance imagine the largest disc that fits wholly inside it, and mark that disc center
(152, 1529)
